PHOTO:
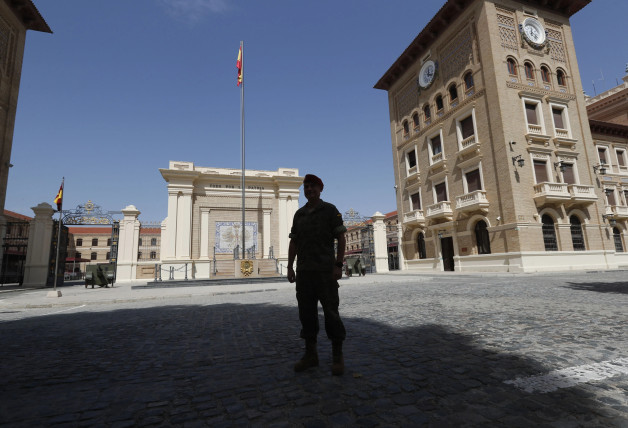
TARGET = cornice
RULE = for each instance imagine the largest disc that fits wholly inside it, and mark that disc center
(533, 90)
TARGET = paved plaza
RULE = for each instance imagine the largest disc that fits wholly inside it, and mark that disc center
(522, 350)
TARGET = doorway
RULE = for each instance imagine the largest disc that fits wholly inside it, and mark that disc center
(447, 248)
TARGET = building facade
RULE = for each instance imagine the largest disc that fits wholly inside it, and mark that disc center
(205, 215)
(491, 142)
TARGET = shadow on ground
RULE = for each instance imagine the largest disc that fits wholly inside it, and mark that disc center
(600, 287)
(226, 365)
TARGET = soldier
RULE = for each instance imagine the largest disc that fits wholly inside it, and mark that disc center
(314, 228)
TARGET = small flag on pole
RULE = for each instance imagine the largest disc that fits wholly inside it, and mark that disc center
(59, 198)
(239, 66)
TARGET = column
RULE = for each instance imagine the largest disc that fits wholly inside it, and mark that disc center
(38, 249)
(204, 238)
(283, 228)
(379, 243)
(402, 259)
(183, 247)
(168, 245)
(266, 243)
(128, 244)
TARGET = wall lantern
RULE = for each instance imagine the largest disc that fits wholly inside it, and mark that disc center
(611, 221)
(519, 161)
(601, 168)
(561, 166)
(608, 191)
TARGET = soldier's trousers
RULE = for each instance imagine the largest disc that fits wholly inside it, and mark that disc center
(313, 287)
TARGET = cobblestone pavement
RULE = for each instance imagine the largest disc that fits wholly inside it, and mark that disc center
(430, 350)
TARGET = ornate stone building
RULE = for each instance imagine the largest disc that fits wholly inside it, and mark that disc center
(205, 217)
(492, 148)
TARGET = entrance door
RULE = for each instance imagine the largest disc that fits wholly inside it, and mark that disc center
(447, 247)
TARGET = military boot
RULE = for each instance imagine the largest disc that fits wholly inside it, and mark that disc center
(338, 362)
(309, 359)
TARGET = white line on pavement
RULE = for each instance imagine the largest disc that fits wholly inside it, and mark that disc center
(64, 310)
(571, 376)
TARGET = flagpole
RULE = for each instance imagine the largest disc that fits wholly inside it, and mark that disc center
(59, 235)
(242, 135)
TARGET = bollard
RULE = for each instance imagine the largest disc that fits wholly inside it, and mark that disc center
(186, 271)
(171, 273)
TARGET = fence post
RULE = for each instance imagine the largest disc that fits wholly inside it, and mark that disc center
(160, 272)
(171, 273)
(156, 266)
(186, 271)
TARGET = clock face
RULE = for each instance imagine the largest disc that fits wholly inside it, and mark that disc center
(534, 31)
(427, 73)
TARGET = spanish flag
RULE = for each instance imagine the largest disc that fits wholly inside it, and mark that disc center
(59, 198)
(239, 66)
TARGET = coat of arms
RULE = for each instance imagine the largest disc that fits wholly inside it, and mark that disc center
(246, 267)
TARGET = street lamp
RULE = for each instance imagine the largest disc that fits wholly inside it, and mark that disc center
(611, 221)
(561, 166)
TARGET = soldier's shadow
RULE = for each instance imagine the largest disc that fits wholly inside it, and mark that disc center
(232, 364)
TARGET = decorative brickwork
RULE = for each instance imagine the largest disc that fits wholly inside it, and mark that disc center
(457, 54)
(6, 47)
(557, 50)
(507, 31)
(407, 100)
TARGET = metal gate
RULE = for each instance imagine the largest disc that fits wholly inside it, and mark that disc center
(14, 253)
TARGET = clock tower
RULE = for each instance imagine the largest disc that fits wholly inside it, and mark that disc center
(495, 167)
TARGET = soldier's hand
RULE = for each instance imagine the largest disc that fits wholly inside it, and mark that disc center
(291, 275)
(337, 273)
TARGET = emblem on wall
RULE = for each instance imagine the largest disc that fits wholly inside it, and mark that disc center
(229, 235)
(246, 267)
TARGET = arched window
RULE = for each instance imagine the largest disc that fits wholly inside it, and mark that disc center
(549, 233)
(512, 67)
(406, 128)
(577, 237)
(560, 78)
(482, 238)
(453, 93)
(426, 112)
(619, 246)
(415, 120)
(421, 246)
(545, 74)
(468, 81)
(439, 103)
(529, 69)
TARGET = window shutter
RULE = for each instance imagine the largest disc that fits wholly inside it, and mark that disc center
(531, 114)
(466, 127)
(568, 175)
(473, 181)
(441, 192)
(540, 171)
(558, 118)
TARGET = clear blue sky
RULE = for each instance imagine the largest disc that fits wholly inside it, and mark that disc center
(123, 87)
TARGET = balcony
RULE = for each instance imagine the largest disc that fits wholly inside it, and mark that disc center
(546, 192)
(535, 129)
(474, 201)
(413, 217)
(469, 145)
(582, 194)
(562, 133)
(440, 210)
(618, 211)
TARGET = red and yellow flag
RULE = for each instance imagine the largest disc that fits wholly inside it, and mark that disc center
(59, 198)
(239, 66)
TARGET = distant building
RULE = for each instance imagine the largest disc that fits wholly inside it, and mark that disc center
(359, 240)
(92, 244)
